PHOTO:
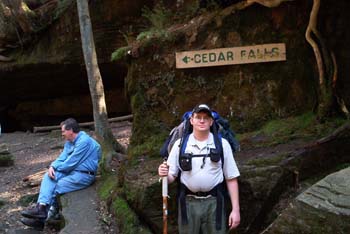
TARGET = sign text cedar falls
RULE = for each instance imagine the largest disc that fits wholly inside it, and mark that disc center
(229, 56)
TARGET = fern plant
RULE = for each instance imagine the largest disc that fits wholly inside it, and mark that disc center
(159, 16)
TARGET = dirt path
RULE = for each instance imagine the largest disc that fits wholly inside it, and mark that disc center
(33, 153)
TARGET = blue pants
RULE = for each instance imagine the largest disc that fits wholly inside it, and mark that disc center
(63, 183)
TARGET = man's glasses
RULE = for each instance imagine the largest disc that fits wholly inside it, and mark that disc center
(199, 119)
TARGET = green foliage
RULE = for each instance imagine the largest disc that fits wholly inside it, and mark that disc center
(126, 219)
(159, 16)
(120, 53)
(147, 35)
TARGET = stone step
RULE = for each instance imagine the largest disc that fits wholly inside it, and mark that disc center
(80, 212)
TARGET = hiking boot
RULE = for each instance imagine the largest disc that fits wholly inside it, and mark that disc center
(37, 224)
(38, 212)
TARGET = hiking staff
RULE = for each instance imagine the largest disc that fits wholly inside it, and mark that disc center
(165, 202)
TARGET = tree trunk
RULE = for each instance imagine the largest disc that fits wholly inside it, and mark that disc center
(326, 65)
(102, 129)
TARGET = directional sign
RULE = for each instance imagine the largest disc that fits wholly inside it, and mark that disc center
(229, 56)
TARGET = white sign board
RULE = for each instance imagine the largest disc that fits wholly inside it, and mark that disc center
(228, 56)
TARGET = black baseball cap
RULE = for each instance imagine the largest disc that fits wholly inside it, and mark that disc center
(202, 108)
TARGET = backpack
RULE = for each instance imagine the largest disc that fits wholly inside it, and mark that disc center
(220, 128)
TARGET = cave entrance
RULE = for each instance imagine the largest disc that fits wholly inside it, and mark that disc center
(46, 95)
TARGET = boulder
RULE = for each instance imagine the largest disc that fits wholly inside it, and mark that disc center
(331, 194)
(80, 212)
(322, 208)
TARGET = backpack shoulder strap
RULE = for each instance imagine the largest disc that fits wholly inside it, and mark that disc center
(218, 141)
(183, 144)
(222, 150)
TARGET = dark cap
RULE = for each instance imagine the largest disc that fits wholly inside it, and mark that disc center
(202, 108)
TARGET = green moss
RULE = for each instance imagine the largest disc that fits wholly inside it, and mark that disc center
(150, 147)
(302, 126)
(148, 132)
(290, 125)
(268, 161)
(279, 131)
(131, 193)
(107, 154)
(27, 199)
(6, 160)
(107, 186)
(137, 100)
(327, 126)
(126, 219)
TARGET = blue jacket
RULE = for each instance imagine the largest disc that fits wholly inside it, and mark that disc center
(82, 154)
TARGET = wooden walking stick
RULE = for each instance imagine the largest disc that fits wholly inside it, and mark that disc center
(165, 202)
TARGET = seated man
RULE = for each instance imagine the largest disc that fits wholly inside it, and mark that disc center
(74, 169)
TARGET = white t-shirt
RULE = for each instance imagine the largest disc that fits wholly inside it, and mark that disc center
(206, 178)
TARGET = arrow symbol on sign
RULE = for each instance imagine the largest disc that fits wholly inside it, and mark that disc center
(186, 59)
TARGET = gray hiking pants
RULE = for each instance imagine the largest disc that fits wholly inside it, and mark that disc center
(201, 215)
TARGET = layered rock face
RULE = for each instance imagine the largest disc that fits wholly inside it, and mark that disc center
(46, 80)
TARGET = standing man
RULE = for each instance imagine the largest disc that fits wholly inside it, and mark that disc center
(74, 169)
(201, 203)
